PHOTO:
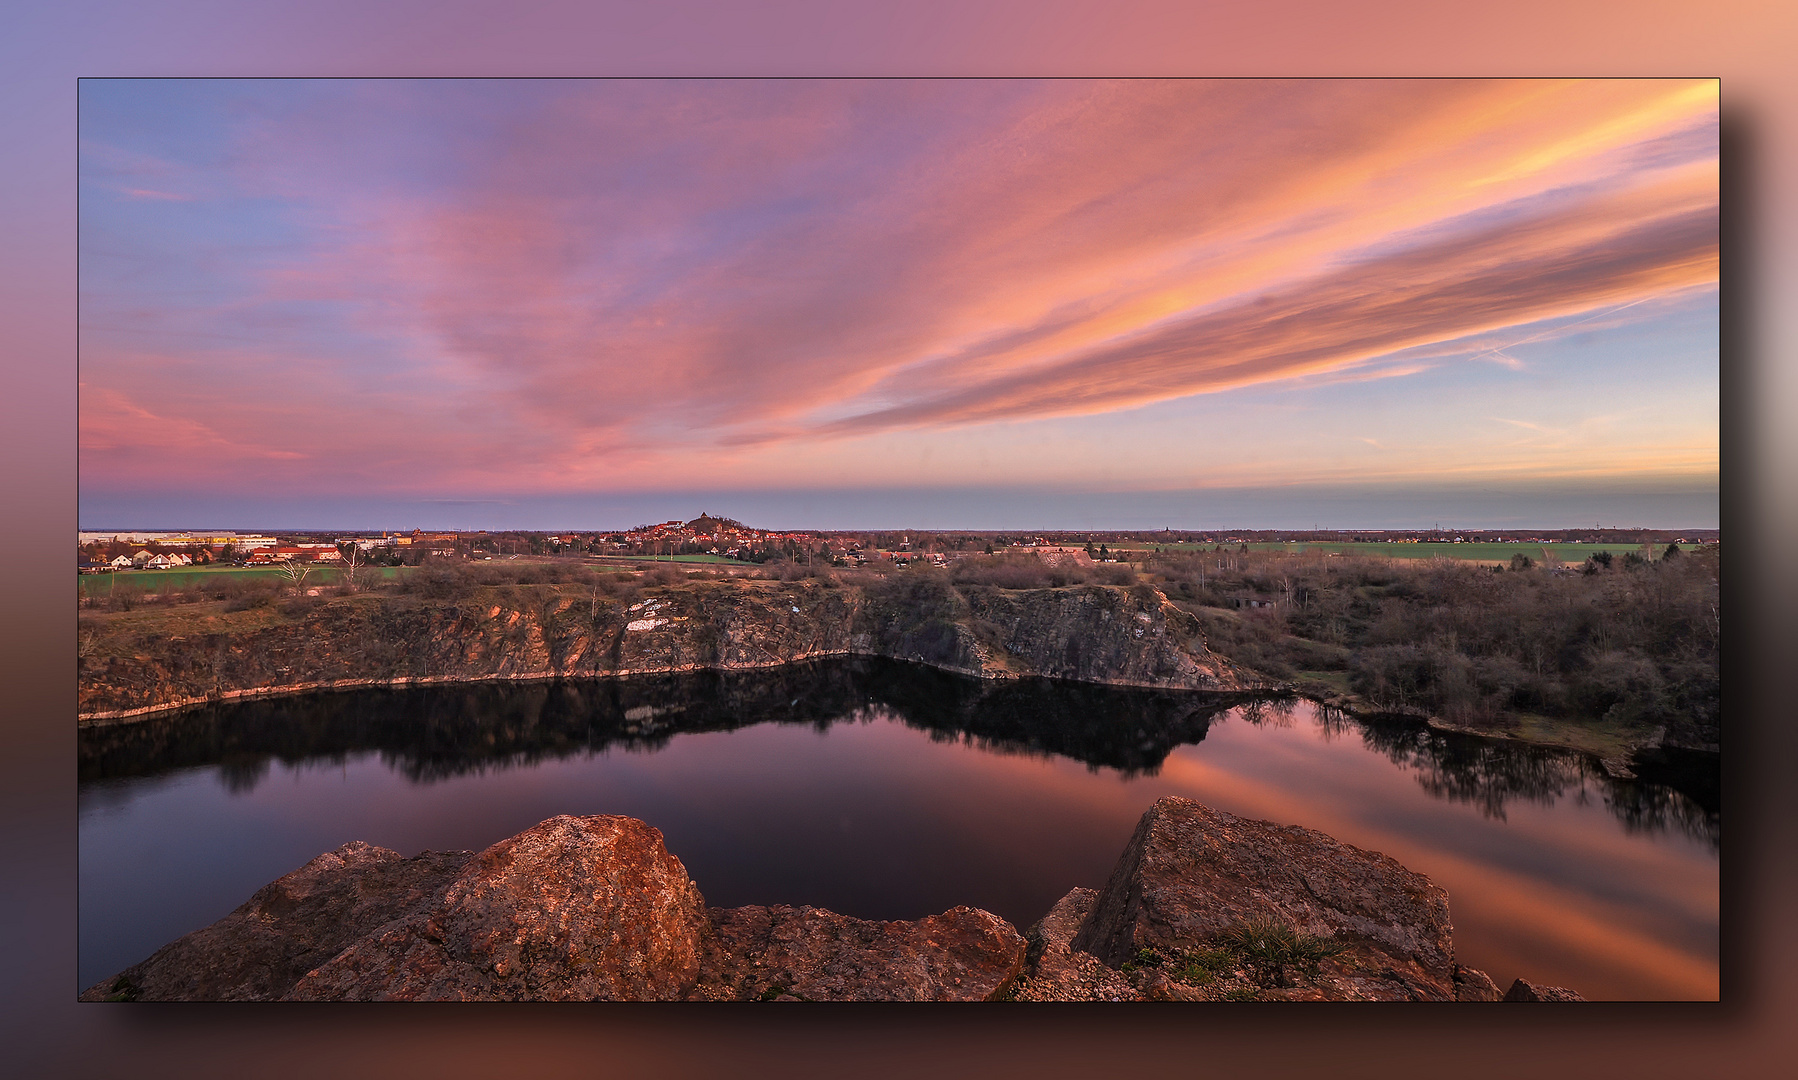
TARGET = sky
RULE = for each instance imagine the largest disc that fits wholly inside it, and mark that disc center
(977, 304)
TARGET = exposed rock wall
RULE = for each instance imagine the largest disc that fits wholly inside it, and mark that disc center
(1091, 633)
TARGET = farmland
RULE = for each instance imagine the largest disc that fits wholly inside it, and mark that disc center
(1391, 549)
(152, 582)
(709, 560)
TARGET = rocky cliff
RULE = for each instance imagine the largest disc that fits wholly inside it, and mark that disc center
(1202, 906)
(136, 663)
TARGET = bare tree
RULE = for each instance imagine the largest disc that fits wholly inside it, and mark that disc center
(296, 572)
(352, 561)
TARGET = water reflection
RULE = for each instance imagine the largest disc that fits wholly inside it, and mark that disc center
(1491, 774)
(434, 733)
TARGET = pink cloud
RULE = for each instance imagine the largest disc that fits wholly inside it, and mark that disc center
(1568, 261)
(655, 277)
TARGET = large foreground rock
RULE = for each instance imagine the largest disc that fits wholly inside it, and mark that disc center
(1191, 873)
(596, 908)
(575, 909)
(289, 927)
(809, 954)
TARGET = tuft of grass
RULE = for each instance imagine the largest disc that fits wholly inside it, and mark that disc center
(1145, 957)
(1268, 947)
(1199, 967)
(775, 991)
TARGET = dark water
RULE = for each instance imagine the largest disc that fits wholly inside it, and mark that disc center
(883, 790)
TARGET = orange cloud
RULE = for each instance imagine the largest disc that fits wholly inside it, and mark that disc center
(1598, 252)
(666, 282)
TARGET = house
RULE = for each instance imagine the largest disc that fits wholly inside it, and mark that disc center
(122, 562)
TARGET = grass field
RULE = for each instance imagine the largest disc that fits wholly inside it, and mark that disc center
(1567, 553)
(189, 577)
(713, 559)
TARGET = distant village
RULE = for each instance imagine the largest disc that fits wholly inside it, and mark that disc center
(726, 540)
(719, 538)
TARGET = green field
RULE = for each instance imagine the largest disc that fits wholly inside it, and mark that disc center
(715, 559)
(199, 576)
(1502, 552)
(189, 577)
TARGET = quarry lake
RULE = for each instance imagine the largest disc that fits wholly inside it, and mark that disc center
(887, 791)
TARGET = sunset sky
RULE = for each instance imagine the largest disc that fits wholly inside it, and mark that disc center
(859, 304)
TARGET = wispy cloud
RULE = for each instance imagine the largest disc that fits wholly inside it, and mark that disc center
(551, 286)
(1566, 261)
(112, 423)
(147, 193)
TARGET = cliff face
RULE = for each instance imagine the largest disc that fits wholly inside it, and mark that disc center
(135, 663)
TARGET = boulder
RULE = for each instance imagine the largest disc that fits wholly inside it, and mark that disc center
(596, 908)
(574, 909)
(1529, 991)
(289, 927)
(1472, 984)
(786, 953)
(1191, 873)
(1056, 971)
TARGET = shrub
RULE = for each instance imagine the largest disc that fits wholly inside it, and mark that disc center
(1007, 572)
(245, 601)
(664, 574)
(298, 606)
(438, 582)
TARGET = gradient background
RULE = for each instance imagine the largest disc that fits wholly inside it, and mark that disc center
(1748, 45)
